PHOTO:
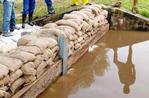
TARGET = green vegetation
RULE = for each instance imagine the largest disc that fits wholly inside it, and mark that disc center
(60, 5)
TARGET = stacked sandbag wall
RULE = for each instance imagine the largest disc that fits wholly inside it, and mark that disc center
(39, 50)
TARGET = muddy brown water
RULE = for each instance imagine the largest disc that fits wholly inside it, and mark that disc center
(117, 68)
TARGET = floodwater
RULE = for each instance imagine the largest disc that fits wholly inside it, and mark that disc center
(117, 68)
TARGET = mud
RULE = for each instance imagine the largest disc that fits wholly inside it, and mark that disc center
(116, 68)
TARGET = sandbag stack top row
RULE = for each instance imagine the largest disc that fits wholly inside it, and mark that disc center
(39, 50)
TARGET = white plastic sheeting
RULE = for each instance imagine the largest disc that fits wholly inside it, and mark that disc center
(10, 43)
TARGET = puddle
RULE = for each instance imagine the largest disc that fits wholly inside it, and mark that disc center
(117, 68)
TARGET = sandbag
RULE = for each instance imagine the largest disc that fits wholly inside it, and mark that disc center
(4, 94)
(77, 46)
(50, 62)
(22, 55)
(5, 81)
(85, 17)
(69, 23)
(41, 67)
(17, 85)
(86, 27)
(25, 39)
(4, 70)
(38, 60)
(47, 54)
(79, 33)
(43, 43)
(67, 29)
(12, 63)
(31, 49)
(28, 69)
(14, 76)
(55, 49)
(50, 25)
(72, 16)
(29, 79)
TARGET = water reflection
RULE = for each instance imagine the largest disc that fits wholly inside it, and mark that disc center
(126, 71)
(101, 73)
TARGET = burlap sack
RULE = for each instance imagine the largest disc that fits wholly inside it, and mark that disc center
(66, 29)
(22, 55)
(38, 60)
(94, 9)
(17, 85)
(4, 70)
(28, 69)
(85, 17)
(29, 79)
(50, 62)
(14, 76)
(25, 39)
(43, 43)
(77, 46)
(80, 39)
(50, 25)
(12, 63)
(5, 81)
(47, 54)
(86, 27)
(88, 13)
(42, 66)
(55, 49)
(77, 21)
(79, 33)
(72, 16)
(4, 94)
(69, 23)
(31, 49)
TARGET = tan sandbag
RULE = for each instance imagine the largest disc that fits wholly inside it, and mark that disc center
(88, 13)
(29, 79)
(55, 49)
(5, 81)
(4, 70)
(14, 76)
(12, 63)
(105, 13)
(69, 23)
(4, 94)
(41, 66)
(80, 39)
(25, 39)
(47, 54)
(77, 21)
(86, 27)
(77, 46)
(72, 16)
(66, 29)
(43, 43)
(50, 25)
(38, 60)
(85, 17)
(22, 55)
(49, 62)
(51, 32)
(28, 69)
(17, 85)
(4, 88)
(31, 49)
(94, 9)
(79, 33)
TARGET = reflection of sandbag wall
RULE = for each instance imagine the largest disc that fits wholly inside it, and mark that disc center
(37, 51)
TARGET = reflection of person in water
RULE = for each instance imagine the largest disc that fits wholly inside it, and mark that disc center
(127, 74)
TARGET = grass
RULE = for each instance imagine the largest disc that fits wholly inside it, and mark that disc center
(60, 5)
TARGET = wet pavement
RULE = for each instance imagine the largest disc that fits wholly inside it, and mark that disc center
(117, 68)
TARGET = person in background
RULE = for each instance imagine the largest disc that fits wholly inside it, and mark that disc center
(9, 18)
(134, 5)
(50, 7)
(28, 9)
(76, 2)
